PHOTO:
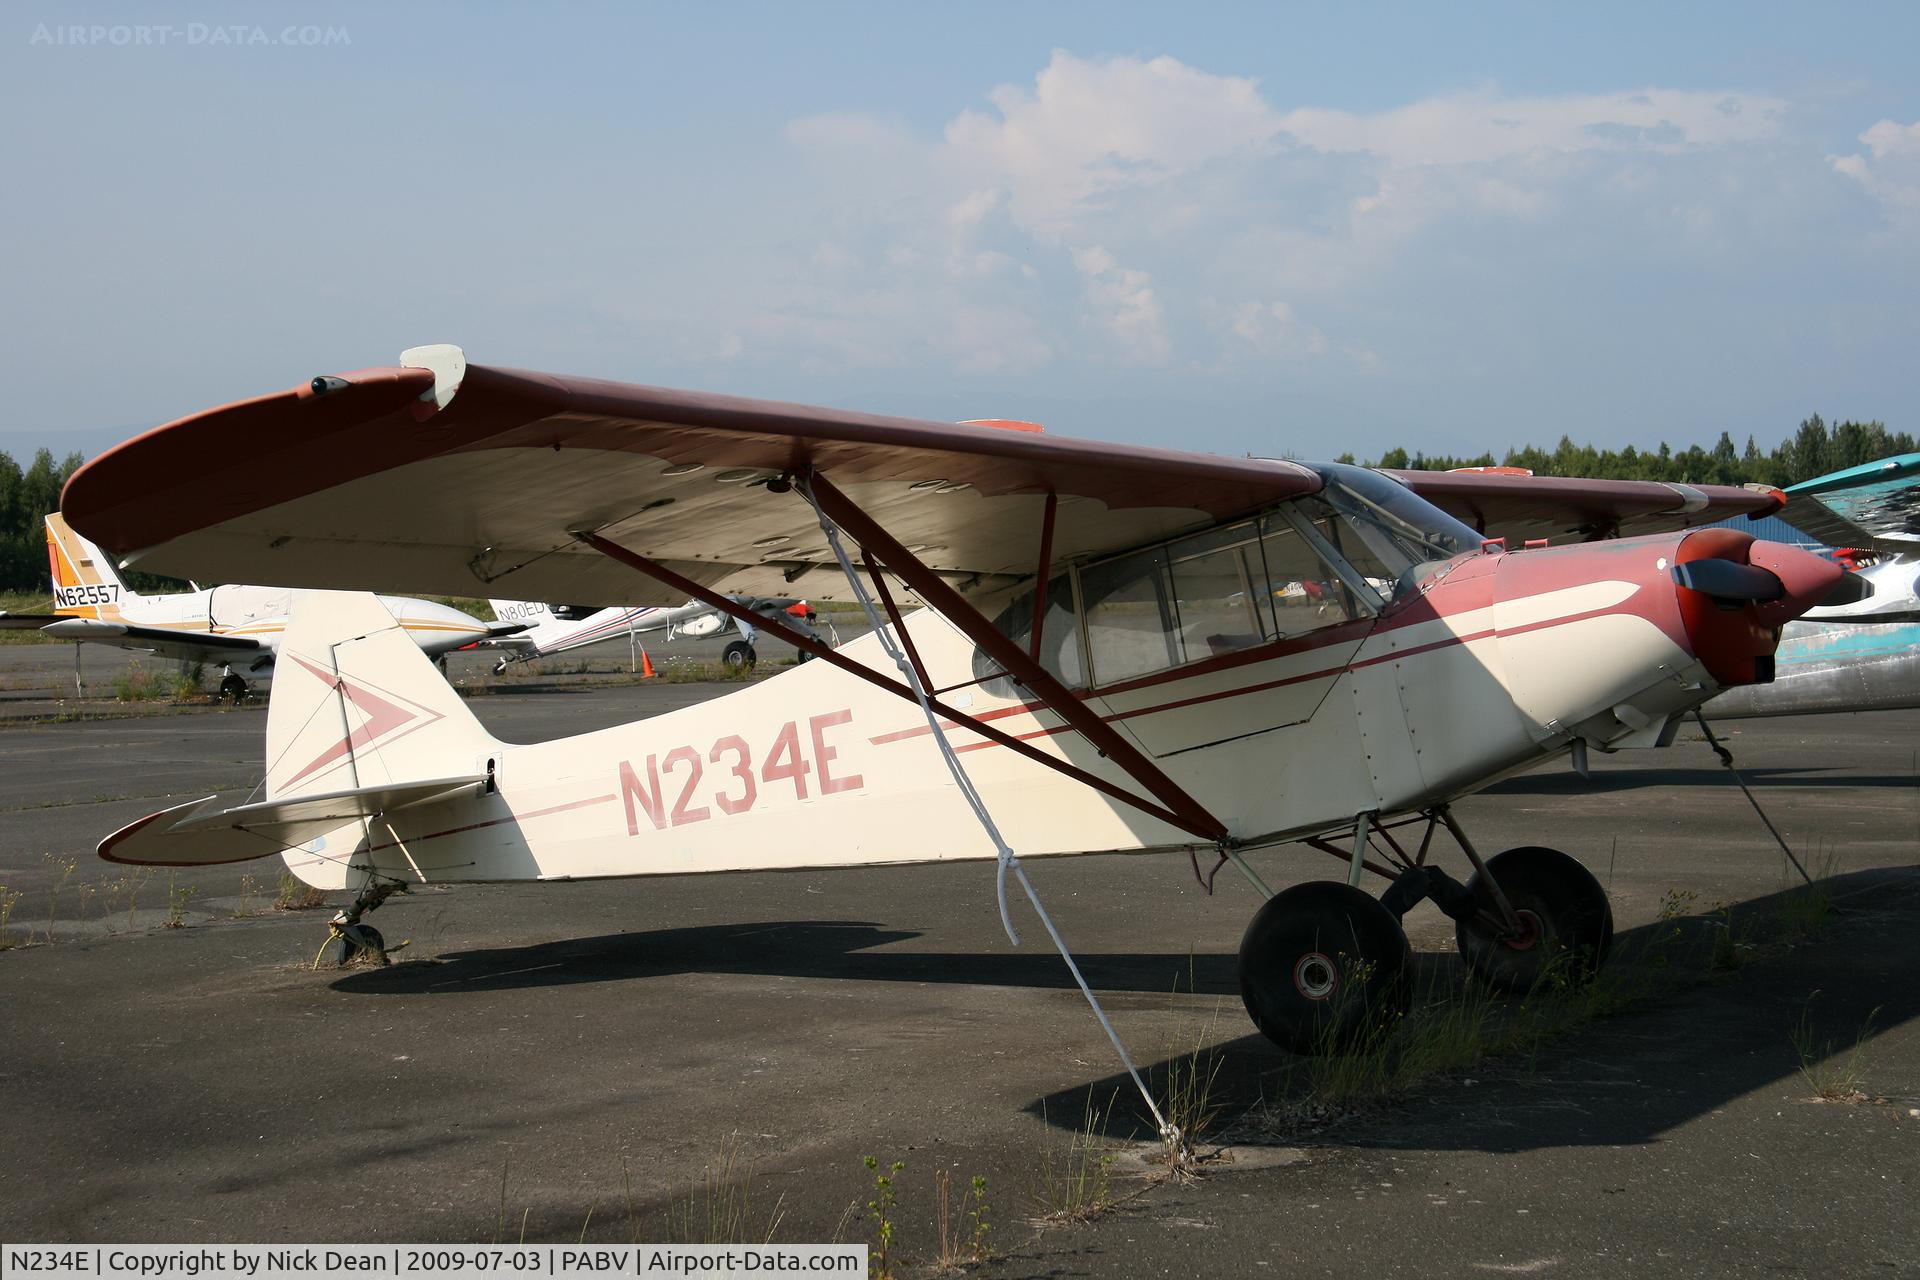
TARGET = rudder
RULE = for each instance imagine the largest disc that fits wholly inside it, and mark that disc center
(85, 582)
(355, 704)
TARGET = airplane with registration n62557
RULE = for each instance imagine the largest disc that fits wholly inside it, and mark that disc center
(237, 627)
(1119, 649)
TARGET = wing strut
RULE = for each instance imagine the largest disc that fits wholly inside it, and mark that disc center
(1015, 660)
(1007, 861)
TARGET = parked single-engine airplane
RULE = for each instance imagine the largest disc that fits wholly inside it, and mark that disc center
(561, 628)
(1108, 661)
(237, 627)
(1862, 656)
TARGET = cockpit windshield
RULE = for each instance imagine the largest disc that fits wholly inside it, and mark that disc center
(1389, 532)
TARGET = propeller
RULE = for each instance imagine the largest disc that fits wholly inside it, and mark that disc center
(1729, 580)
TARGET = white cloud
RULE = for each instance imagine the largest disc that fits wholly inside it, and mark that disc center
(1092, 126)
(1271, 328)
(1143, 189)
(1484, 127)
(1121, 301)
(1893, 175)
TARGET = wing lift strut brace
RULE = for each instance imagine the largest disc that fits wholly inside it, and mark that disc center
(836, 513)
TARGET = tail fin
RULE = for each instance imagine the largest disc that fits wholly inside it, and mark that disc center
(356, 704)
(85, 583)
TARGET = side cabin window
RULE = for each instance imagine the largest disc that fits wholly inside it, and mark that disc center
(1304, 592)
(1310, 563)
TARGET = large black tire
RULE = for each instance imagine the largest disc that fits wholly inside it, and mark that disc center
(737, 656)
(1323, 967)
(1568, 921)
(233, 689)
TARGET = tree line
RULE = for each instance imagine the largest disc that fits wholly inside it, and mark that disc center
(1815, 449)
(26, 496)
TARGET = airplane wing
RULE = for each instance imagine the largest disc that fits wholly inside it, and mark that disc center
(356, 479)
(1521, 507)
(197, 834)
(192, 646)
(1876, 505)
(449, 478)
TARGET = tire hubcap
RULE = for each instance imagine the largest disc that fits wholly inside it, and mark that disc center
(1315, 975)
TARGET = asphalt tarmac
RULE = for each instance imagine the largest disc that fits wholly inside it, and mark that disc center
(543, 1053)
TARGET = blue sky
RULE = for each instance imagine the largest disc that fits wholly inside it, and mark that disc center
(1267, 228)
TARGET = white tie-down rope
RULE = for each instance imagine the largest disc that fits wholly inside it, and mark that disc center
(1007, 862)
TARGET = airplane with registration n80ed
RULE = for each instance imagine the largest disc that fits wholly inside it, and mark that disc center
(562, 628)
(1119, 649)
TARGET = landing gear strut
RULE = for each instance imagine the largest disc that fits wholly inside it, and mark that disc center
(350, 941)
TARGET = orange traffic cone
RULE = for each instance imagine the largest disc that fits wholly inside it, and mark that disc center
(646, 666)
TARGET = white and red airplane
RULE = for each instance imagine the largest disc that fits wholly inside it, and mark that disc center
(235, 627)
(562, 628)
(1117, 653)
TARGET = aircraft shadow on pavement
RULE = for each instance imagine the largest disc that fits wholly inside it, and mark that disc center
(1687, 1049)
(841, 949)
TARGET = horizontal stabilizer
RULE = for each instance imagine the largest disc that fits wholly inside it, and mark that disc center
(199, 834)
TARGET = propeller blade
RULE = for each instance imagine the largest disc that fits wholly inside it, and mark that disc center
(1851, 589)
(1728, 580)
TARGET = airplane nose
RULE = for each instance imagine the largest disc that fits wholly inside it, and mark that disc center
(1737, 592)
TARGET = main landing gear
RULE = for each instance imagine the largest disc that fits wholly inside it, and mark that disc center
(738, 656)
(232, 687)
(1325, 966)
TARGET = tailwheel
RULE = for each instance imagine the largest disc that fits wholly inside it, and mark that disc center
(1323, 966)
(738, 656)
(355, 944)
(1565, 924)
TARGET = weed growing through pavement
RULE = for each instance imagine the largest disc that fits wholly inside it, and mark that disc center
(1075, 1183)
(1732, 940)
(178, 896)
(880, 1212)
(249, 891)
(1833, 1077)
(9, 899)
(1186, 1096)
(295, 894)
(719, 1209)
(63, 869)
(1806, 909)
(965, 1227)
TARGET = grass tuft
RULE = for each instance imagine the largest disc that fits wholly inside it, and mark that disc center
(1075, 1182)
(718, 1209)
(294, 894)
(1833, 1076)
